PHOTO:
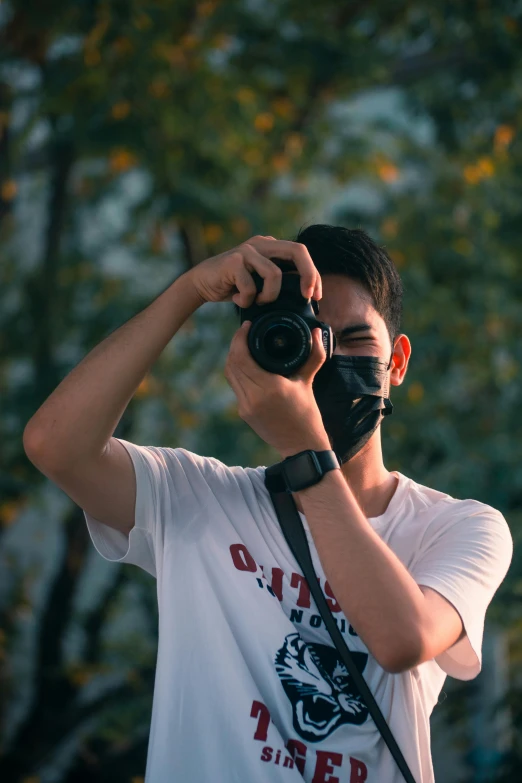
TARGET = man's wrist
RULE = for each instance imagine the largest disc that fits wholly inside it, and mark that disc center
(329, 477)
(312, 444)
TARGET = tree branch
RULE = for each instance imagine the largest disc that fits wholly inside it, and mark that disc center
(193, 241)
(95, 620)
(42, 290)
(23, 760)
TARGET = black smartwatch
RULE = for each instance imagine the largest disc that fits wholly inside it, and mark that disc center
(300, 471)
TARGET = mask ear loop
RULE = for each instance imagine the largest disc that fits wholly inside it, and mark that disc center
(391, 358)
(388, 406)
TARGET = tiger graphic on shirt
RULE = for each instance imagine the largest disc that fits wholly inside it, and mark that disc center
(319, 687)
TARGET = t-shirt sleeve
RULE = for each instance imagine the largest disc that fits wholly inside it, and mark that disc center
(465, 557)
(171, 484)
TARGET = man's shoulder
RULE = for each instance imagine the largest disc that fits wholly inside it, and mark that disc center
(442, 505)
(465, 521)
(211, 468)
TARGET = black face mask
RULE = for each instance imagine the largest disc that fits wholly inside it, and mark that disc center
(352, 394)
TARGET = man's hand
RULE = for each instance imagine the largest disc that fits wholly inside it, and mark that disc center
(227, 277)
(282, 411)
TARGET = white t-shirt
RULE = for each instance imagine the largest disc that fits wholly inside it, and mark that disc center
(249, 686)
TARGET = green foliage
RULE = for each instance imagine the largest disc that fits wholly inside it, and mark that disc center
(139, 138)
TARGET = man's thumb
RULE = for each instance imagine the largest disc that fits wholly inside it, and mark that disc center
(316, 358)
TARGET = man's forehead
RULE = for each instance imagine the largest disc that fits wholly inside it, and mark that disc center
(343, 316)
(346, 304)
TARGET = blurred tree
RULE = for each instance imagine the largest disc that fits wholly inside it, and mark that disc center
(139, 138)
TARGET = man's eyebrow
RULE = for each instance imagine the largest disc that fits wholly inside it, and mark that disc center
(348, 330)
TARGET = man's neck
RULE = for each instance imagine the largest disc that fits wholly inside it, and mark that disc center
(370, 482)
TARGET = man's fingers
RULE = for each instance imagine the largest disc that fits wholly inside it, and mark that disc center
(298, 253)
(250, 260)
(270, 272)
(246, 287)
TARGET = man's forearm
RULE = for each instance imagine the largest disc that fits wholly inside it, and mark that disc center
(377, 594)
(78, 419)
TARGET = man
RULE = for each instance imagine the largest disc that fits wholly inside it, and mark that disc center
(249, 686)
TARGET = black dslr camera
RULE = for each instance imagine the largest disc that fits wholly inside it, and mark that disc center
(280, 337)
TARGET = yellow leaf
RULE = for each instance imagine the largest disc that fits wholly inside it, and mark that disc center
(206, 8)
(283, 107)
(494, 326)
(8, 190)
(142, 22)
(472, 174)
(123, 46)
(121, 159)
(9, 511)
(387, 171)
(143, 389)
(463, 246)
(389, 227)
(97, 33)
(4, 120)
(486, 167)
(280, 163)
(511, 24)
(159, 88)
(483, 168)
(91, 57)
(503, 136)
(230, 413)
(264, 122)
(80, 676)
(212, 233)
(252, 157)
(187, 419)
(120, 110)
(174, 55)
(189, 41)
(111, 288)
(416, 392)
(245, 95)
(240, 226)
(294, 144)
(157, 244)
(398, 258)
(222, 42)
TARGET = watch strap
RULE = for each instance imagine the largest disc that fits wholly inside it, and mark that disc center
(275, 479)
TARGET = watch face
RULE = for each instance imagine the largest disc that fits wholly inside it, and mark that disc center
(303, 469)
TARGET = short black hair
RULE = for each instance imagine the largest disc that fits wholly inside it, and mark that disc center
(352, 252)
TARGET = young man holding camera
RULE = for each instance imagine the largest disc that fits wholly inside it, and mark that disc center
(248, 685)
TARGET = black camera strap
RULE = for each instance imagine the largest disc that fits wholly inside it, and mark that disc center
(295, 535)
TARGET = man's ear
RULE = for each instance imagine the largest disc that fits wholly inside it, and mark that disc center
(400, 360)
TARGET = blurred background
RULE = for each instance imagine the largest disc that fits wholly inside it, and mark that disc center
(138, 138)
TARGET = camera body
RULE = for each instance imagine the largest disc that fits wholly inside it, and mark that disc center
(280, 337)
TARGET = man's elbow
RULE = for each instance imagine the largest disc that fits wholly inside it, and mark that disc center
(396, 660)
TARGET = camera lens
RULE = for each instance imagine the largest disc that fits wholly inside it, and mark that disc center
(281, 342)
